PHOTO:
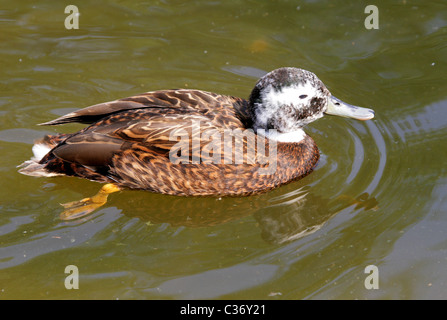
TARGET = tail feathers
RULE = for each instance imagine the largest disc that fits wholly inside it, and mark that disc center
(35, 169)
(50, 141)
(41, 147)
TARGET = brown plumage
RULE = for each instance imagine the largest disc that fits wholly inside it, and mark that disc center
(128, 144)
(176, 141)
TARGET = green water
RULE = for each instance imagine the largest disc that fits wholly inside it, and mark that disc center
(306, 240)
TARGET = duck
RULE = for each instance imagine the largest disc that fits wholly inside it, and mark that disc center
(188, 142)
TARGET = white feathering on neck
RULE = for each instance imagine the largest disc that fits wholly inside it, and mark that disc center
(289, 137)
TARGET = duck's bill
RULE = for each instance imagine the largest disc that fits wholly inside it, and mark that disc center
(337, 107)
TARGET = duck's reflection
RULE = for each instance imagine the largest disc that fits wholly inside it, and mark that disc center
(304, 214)
(281, 218)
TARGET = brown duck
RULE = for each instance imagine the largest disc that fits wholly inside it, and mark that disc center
(191, 142)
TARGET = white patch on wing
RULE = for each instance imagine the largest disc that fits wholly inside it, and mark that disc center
(40, 150)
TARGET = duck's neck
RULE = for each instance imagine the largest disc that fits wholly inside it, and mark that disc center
(288, 137)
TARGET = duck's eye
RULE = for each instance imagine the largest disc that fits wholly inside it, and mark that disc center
(303, 96)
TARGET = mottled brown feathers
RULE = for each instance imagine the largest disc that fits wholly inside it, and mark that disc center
(129, 140)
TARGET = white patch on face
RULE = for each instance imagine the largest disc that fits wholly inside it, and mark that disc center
(290, 95)
(298, 96)
(294, 136)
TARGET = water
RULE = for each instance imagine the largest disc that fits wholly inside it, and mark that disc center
(377, 197)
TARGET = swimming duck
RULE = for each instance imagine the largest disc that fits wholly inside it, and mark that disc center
(175, 141)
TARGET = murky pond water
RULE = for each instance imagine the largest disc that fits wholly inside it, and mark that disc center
(377, 197)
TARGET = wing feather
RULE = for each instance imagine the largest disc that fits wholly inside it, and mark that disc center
(148, 125)
(164, 99)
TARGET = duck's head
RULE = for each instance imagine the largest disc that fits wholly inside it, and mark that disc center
(287, 99)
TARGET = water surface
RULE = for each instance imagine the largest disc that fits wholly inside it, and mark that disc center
(378, 195)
